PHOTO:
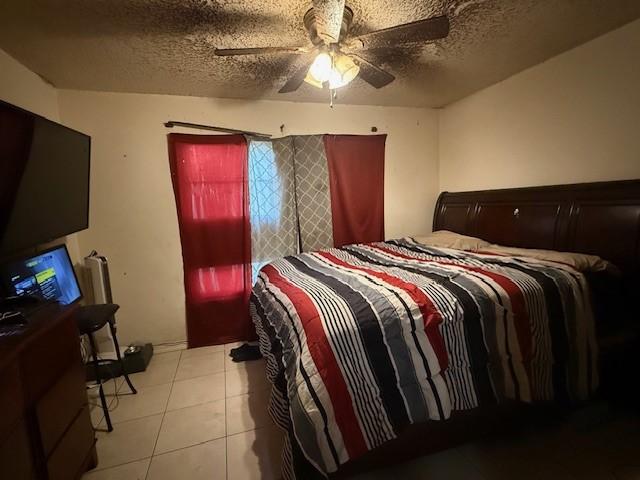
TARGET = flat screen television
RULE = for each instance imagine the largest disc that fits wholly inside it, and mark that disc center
(44, 180)
(48, 275)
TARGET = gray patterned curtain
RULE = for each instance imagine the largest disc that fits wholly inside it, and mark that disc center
(312, 193)
(274, 231)
(289, 198)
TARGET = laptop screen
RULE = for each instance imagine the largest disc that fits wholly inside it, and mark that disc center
(48, 275)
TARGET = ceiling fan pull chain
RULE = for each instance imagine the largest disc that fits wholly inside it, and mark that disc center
(332, 91)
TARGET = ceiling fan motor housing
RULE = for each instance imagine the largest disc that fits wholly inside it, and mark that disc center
(309, 21)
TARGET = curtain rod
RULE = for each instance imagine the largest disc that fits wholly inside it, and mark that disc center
(173, 123)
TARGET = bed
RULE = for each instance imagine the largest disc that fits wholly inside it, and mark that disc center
(371, 347)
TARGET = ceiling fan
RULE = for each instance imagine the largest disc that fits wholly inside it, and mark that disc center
(334, 58)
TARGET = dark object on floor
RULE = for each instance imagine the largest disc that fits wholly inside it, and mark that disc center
(92, 318)
(133, 363)
(245, 353)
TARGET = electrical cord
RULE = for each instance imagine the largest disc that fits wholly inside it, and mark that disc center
(84, 351)
(6, 315)
(115, 387)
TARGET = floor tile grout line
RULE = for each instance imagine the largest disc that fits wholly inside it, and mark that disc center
(195, 404)
(132, 419)
(199, 354)
(145, 386)
(224, 371)
(102, 469)
(159, 454)
(242, 394)
(209, 374)
(146, 473)
(226, 444)
(155, 445)
(198, 376)
(150, 458)
(173, 410)
(180, 448)
(139, 418)
(191, 406)
(250, 391)
(132, 395)
(187, 446)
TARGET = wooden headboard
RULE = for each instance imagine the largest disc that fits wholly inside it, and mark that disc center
(597, 218)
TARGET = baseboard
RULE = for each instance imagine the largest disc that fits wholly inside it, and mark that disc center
(169, 347)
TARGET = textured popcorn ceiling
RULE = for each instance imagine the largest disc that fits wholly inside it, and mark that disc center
(166, 46)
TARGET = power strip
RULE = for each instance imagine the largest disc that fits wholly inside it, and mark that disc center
(133, 363)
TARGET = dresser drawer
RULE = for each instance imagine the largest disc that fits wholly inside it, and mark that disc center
(16, 460)
(59, 406)
(48, 356)
(11, 399)
(71, 453)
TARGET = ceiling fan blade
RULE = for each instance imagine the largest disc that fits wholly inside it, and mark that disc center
(299, 75)
(372, 74)
(328, 16)
(420, 31)
(228, 52)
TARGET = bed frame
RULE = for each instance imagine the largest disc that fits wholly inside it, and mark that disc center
(596, 218)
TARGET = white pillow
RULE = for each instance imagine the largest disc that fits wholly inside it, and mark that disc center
(447, 239)
(580, 261)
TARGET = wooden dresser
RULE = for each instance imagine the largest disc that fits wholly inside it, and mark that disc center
(45, 427)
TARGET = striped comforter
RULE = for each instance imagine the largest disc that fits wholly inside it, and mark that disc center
(363, 340)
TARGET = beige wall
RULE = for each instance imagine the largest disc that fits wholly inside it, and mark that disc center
(133, 219)
(23, 88)
(574, 118)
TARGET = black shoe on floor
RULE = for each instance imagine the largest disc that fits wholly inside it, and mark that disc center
(245, 353)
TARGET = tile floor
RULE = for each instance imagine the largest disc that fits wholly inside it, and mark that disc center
(197, 415)
(200, 416)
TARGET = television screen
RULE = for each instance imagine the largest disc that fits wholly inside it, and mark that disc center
(48, 275)
(44, 180)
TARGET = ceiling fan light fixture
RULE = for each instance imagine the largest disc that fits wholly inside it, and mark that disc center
(320, 70)
(344, 70)
(336, 68)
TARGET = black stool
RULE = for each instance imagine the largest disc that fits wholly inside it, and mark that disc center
(92, 318)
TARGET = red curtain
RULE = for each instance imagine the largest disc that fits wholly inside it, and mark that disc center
(356, 179)
(209, 175)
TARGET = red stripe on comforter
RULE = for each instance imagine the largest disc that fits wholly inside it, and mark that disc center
(325, 362)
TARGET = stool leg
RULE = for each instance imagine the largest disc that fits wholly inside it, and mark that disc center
(115, 344)
(103, 400)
